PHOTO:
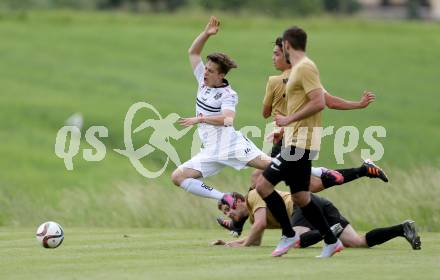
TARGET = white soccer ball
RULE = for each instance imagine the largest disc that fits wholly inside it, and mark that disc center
(50, 235)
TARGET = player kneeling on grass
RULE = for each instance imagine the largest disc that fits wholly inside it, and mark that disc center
(254, 208)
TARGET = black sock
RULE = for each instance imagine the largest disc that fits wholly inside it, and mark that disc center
(381, 235)
(314, 215)
(351, 174)
(310, 238)
(277, 207)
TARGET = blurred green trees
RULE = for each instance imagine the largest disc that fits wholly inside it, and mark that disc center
(269, 7)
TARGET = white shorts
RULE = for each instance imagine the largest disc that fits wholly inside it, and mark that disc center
(236, 155)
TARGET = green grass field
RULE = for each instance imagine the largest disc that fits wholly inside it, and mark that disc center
(186, 254)
(60, 62)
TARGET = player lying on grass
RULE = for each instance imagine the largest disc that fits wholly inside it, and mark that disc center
(222, 144)
(254, 208)
(327, 180)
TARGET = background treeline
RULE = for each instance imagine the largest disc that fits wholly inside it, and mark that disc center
(269, 7)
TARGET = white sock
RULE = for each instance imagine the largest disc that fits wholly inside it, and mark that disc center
(317, 171)
(197, 187)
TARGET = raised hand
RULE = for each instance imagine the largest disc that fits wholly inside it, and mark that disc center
(212, 26)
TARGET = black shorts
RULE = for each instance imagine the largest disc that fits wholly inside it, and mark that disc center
(276, 148)
(287, 167)
(331, 213)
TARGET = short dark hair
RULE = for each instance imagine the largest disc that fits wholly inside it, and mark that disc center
(279, 43)
(224, 62)
(237, 195)
(296, 37)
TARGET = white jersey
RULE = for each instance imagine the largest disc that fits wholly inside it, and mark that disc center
(223, 145)
(210, 102)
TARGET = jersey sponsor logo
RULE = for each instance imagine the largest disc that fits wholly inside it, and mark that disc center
(218, 95)
(247, 150)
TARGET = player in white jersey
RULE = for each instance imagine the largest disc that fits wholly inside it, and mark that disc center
(215, 112)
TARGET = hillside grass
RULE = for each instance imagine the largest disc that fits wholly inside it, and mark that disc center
(60, 62)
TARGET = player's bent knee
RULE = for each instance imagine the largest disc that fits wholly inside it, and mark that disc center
(177, 177)
(258, 189)
(262, 187)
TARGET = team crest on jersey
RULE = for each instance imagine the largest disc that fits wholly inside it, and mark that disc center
(217, 95)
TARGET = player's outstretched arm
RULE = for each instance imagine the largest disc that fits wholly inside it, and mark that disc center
(255, 235)
(196, 48)
(257, 230)
(337, 103)
(225, 119)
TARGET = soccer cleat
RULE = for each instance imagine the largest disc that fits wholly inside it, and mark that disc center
(374, 171)
(228, 199)
(231, 226)
(410, 234)
(285, 244)
(330, 249)
(330, 175)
